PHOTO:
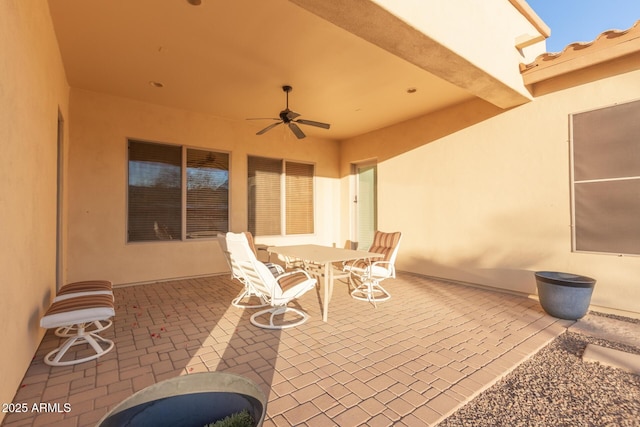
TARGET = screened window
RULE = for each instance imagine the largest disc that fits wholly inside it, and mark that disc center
(176, 193)
(280, 197)
(606, 179)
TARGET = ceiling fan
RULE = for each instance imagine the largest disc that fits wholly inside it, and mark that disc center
(290, 118)
(205, 160)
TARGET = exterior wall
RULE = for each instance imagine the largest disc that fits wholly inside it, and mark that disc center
(489, 202)
(100, 126)
(33, 90)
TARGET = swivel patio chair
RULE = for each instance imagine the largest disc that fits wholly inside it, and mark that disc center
(247, 292)
(74, 312)
(366, 274)
(277, 291)
(276, 269)
(247, 296)
(86, 287)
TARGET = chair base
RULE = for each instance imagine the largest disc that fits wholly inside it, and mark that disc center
(237, 301)
(92, 327)
(370, 291)
(99, 345)
(277, 311)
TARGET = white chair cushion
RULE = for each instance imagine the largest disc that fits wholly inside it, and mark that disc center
(82, 309)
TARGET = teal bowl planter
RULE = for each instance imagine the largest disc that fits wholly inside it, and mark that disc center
(194, 400)
(564, 295)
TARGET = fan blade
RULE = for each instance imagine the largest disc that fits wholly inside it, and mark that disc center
(296, 130)
(312, 123)
(292, 114)
(268, 128)
(262, 118)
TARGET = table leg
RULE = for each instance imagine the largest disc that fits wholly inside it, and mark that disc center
(328, 290)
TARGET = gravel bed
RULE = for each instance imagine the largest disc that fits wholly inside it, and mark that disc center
(613, 316)
(556, 388)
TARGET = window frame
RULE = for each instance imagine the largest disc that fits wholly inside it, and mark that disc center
(184, 150)
(583, 206)
(283, 197)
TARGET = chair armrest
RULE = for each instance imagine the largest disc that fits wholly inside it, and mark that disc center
(387, 265)
(367, 269)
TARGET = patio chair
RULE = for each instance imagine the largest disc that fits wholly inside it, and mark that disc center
(277, 291)
(247, 292)
(86, 287)
(275, 269)
(77, 311)
(161, 231)
(367, 275)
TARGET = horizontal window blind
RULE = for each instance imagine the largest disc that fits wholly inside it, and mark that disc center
(207, 193)
(154, 192)
(264, 176)
(280, 199)
(299, 198)
(160, 190)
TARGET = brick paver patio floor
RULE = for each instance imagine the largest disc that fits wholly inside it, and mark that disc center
(411, 361)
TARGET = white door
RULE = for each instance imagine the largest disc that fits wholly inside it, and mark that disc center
(365, 204)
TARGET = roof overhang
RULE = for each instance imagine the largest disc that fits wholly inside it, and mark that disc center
(608, 47)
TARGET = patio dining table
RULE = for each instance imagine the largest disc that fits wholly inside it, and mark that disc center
(323, 256)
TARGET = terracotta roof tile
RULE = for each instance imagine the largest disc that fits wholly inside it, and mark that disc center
(608, 45)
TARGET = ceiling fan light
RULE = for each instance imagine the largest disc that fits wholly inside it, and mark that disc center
(194, 2)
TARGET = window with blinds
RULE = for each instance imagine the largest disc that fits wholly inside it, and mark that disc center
(280, 197)
(207, 193)
(154, 208)
(264, 184)
(299, 198)
(171, 201)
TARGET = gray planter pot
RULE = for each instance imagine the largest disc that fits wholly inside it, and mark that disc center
(564, 295)
(193, 400)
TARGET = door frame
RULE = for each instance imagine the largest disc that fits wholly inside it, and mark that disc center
(353, 198)
(60, 202)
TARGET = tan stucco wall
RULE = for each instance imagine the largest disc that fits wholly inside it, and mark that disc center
(489, 203)
(100, 126)
(32, 91)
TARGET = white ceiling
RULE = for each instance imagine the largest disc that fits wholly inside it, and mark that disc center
(231, 58)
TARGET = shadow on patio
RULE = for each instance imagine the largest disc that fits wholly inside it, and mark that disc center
(412, 361)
